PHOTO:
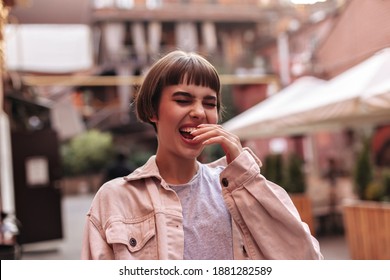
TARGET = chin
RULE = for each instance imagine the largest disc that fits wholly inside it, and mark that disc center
(192, 154)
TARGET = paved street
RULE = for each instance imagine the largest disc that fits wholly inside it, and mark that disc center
(74, 209)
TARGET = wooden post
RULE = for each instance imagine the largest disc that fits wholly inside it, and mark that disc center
(6, 176)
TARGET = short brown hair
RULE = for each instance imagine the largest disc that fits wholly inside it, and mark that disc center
(172, 69)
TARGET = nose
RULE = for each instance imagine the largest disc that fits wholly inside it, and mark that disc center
(197, 111)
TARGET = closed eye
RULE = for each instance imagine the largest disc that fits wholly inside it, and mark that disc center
(208, 104)
(180, 101)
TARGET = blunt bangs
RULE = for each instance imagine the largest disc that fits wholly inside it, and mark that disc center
(193, 71)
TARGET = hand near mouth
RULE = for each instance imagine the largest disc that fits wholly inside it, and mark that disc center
(214, 134)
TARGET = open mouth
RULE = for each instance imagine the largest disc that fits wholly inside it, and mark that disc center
(186, 132)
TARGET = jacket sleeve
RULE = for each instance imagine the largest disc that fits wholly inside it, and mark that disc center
(264, 213)
(94, 246)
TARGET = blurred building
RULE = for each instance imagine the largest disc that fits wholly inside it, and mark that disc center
(29, 199)
(111, 43)
(275, 40)
(107, 45)
(126, 36)
(324, 46)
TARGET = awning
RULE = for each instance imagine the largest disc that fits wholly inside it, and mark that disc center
(48, 48)
(359, 96)
(258, 120)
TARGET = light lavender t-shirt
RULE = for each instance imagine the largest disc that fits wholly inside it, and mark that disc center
(206, 219)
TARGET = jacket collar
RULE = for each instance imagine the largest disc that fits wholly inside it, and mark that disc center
(149, 169)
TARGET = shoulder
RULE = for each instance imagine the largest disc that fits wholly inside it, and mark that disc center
(110, 193)
(113, 187)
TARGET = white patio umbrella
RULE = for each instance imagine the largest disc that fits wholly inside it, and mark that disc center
(378, 96)
(354, 98)
(257, 121)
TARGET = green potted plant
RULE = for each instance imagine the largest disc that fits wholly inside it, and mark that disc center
(288, 172)
(295, 184)
(273, 168)
(86, 155)
(363, 172)
(295, 178)
(366, 220)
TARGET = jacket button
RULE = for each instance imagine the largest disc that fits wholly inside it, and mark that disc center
(133, 242)
(225, 182)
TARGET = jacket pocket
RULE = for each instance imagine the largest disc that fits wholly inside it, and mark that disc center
(133, 238)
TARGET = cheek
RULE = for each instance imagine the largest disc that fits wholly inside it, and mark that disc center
(212, 117)
(172, 115)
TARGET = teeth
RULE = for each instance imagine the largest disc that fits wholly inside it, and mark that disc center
(188, 129)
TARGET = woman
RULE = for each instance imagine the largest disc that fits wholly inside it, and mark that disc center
(175, 207)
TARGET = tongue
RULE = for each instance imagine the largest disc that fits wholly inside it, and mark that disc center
(186, 135)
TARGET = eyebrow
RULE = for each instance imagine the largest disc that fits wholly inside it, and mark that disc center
(189, 95)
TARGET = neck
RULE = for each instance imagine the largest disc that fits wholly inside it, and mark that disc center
(177, 172)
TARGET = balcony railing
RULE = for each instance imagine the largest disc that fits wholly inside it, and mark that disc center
(199, 10)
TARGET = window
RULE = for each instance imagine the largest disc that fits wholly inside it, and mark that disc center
(124, 4)
(101, 4)
(121, 4)
(153, 4)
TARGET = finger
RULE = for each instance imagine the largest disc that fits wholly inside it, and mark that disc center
(212, 129)
(204, 128)
(207, 133)
(214, 134)
(232, 149)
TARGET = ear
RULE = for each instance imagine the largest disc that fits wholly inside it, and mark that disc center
(153, 118)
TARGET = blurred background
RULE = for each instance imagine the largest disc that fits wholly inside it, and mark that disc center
(306, 85)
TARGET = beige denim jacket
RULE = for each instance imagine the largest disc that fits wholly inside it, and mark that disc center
(140, 217)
